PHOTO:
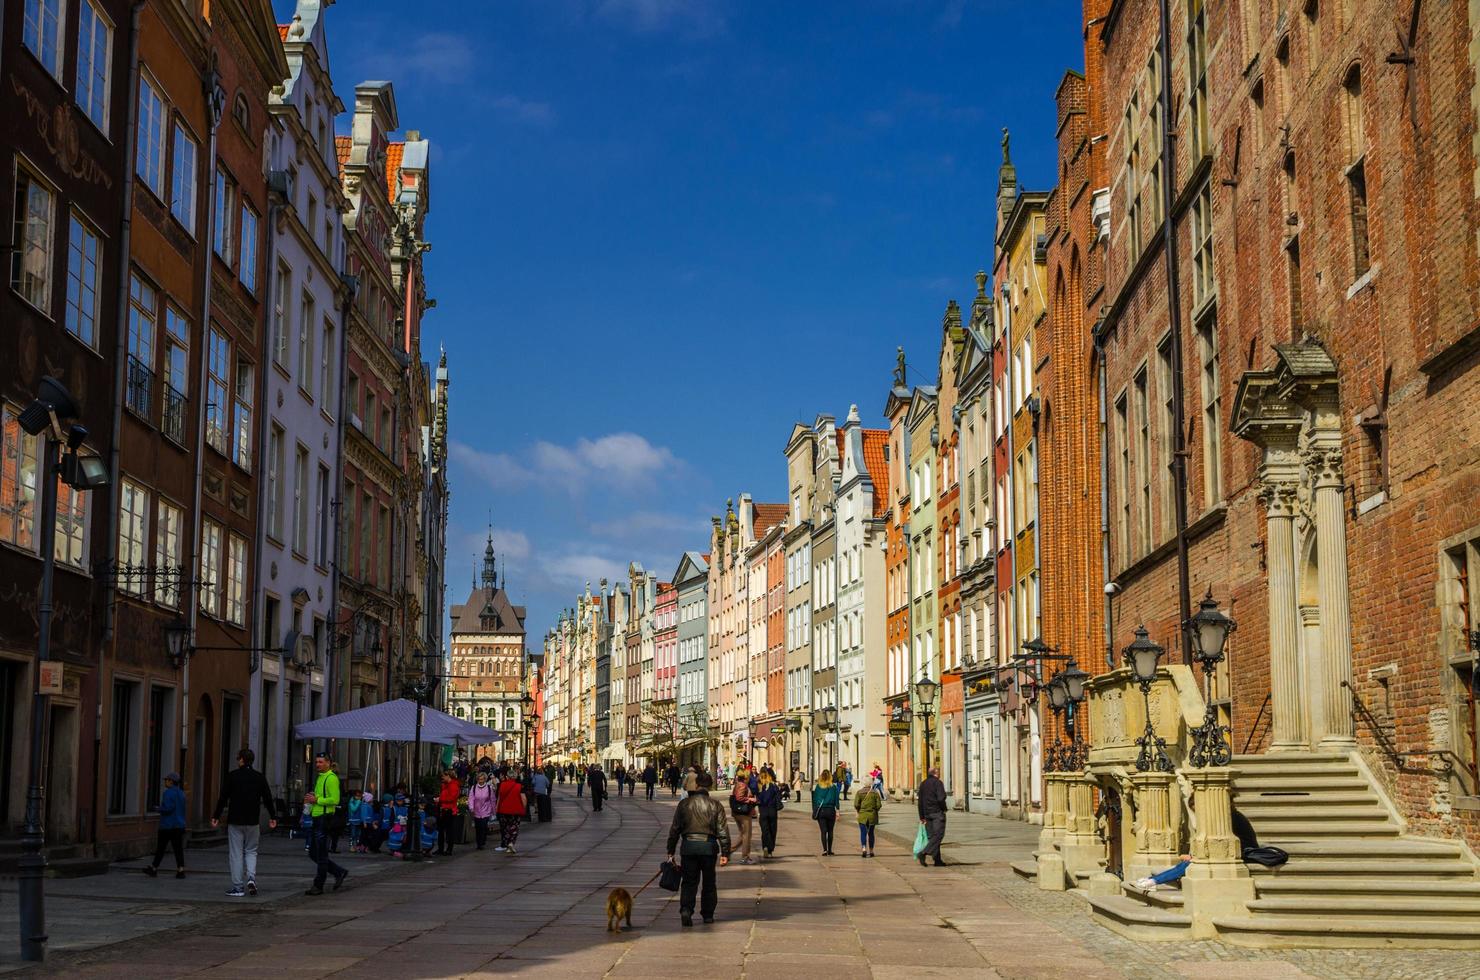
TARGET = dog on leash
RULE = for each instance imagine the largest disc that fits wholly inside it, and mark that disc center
(618, 907)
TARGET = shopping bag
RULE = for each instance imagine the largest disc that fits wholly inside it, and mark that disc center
(922, 839)
(669, 877)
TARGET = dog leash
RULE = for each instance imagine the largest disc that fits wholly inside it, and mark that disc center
(649, 882)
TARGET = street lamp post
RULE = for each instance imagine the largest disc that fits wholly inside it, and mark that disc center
(44, 417)
(830, 723)
(925, 689)
(1142, 656)
(1209, 630)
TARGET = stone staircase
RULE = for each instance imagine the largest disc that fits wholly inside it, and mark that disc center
(1354, 877)
(62, 860)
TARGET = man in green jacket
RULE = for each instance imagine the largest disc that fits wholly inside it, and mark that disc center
(323, 804)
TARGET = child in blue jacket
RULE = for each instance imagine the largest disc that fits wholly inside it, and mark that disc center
(171, 826)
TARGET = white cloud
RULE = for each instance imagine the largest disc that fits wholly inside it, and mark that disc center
(648, 524)
(692, 18)
(437, 55)
(619, 461)
(494, 469)
(525, 111)
(578, 569)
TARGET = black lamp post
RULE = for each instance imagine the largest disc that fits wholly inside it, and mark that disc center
(1058, 698)
(925, 689)
(1209, 630)
(421, 691)
(49, 417)
(1142, 656)
(830, 723)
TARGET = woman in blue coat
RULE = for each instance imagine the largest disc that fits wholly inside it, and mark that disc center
(171, 826)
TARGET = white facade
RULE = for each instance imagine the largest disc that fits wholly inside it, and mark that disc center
(861, 612)
(299, 438)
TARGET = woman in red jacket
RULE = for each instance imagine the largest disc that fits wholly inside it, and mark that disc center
(512, 806)
(447, 811)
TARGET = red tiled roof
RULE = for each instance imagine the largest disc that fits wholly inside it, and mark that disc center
(342, 146)
(768, 516)
(874, 441)
(665, 586)
(706, 556)
(283, 31)
(393, 154)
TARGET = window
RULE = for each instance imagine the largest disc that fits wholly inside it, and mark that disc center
(218, 370)
(1123, 479)
(41, 32)
(19, 466)
(1356, 173)
(306, 363)
(367, 531)
(142, 310)
(1204, 286)
(177, 375)
(280, 316)
(182, 180)
(242, 421)
(225, 234)
(327, 353)
(168, 538)
(248, 270)
(275, 483)
(70, 544)
(1143, 459)
(1164, 427)
(1292, 267)
(133, 536)
(300, 501)
(156, 755)
(149, 151)
(82, 281)
(1212, 401)
(1197, 76)
(1459, 584)
(94, 61)
(236, 580)
(123, 745)
(1312, 35)
(1153, 135)
(210, 564)
(321, 518)
(30, 262)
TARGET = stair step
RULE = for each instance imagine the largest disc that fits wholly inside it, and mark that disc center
(1445, 907)
(1026, 869)
(1263, 782)
(1378, 889)
(79, 867)
(1285, 809)
(1165, 896)
(1286, 931)
(1262, 800)
(1371, 849)
(1288, 831)
(1289, 758)
(1133, 918)
(1424, 869)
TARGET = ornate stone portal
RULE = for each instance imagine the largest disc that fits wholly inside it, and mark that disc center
(1292, 412)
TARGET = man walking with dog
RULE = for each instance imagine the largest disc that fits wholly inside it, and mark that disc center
(699, 838)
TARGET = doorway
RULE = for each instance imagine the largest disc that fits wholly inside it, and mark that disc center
(202, 764)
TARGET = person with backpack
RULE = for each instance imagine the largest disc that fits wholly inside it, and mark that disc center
(742, 806)
(825, 808)
(244, 792)
(323, 807)
(867, 803)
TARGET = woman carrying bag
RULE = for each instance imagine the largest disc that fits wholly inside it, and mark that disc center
(866, 803)
(482, 799)
(742, 806)
(825, 808)
(768, 802)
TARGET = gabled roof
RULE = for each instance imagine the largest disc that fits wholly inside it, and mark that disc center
(342, 147)
(691, 565)
(768, 516)
(492, 605)
(283, 31)
(874, 441)
(394, 151)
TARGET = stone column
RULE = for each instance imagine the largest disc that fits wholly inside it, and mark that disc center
(1336, 632)
(1082, 848)
(1052, 875)
(1286, 701)
(1156, 826)
(1218, 882)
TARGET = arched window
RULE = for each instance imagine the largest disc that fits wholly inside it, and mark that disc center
(511, 718)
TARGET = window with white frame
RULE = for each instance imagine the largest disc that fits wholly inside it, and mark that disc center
(143, 309)
(149, 149)
(236, 580)
(242, 416)
(133, 535)
(305, 343)
(225, 216)
(275, 483)
(41, 32)
(218, 407)
(280, 315)
(19, 466)
(32, 239)
(1204, 284)
(82, 281)
(300, 500)
(248, 270)
(168, 538)
(94, 63)
(70, 545)
(210, 568)
(327, 353)
(176, 371)
(182, 179)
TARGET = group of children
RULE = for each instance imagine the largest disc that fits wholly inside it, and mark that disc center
(374, 824)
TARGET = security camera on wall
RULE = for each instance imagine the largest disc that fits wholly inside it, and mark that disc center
(1111, 588)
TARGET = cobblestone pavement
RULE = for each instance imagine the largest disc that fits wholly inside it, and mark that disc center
(799, 914)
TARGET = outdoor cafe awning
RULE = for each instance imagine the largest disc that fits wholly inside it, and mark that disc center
(395, 721)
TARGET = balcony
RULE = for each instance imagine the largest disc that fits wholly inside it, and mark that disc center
(174, 414)
(139, 394)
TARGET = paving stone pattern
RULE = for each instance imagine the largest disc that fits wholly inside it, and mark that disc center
(542, 913)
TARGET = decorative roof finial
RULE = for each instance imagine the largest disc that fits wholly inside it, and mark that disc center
(899, 381)
(981, 284)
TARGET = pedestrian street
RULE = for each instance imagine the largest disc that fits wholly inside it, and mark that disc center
(542, 913)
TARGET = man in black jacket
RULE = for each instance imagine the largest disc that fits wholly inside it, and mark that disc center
(700, 836)
(932, 800)
(596, 779)
(243, 793)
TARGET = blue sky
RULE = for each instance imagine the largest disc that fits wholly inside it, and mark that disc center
(664, 230)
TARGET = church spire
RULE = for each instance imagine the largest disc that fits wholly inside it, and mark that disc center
(490, 564)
